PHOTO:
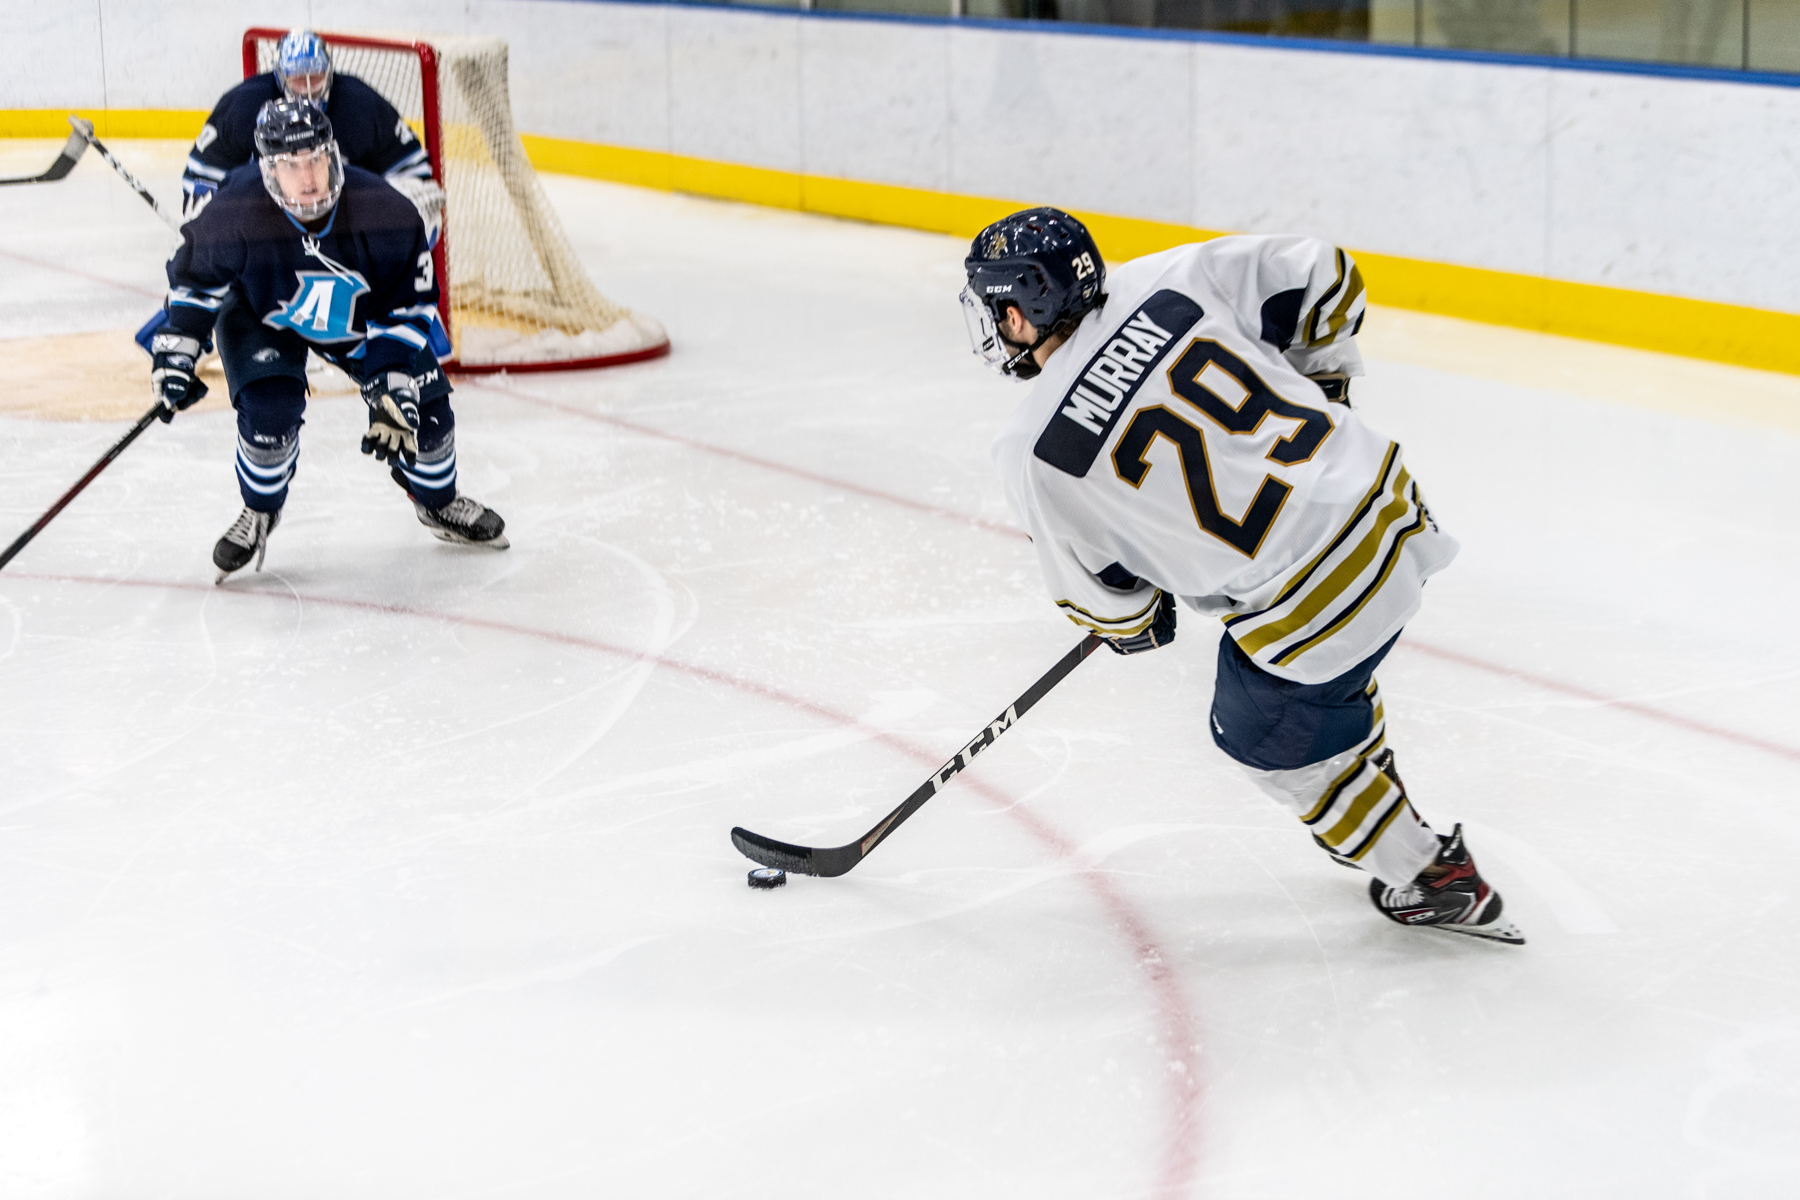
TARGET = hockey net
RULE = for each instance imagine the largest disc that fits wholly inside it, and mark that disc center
(516, 298)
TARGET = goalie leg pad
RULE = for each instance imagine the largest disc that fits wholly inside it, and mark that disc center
(269, 419)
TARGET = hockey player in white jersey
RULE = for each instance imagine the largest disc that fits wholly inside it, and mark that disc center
(1189, 435)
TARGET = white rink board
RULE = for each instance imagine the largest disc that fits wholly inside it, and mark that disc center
(401, 870)
(1653, 183)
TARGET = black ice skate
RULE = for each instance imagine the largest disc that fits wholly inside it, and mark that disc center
(464, 520)
(247, 538)
(1457, 900)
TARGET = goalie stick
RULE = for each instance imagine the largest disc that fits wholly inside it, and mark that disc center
(836, 860)
(65, 162)
(118, 448)
(84, 128)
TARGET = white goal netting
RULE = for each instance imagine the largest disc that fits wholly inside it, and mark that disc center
(517, 295)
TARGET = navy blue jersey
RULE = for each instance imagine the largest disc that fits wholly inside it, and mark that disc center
(370, 134)
(362, 288)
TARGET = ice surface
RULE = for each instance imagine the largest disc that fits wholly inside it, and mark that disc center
(401, 870)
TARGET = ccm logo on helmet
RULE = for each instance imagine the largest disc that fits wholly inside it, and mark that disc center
(999, 287)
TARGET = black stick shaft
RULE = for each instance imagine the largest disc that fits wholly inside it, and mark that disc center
(835, 860)
(86, 130)
(962, 758)
(118, 448)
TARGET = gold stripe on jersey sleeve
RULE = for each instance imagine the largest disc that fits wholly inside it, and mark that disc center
(1337, 581)
(1341, 314)
(1298, 578)
(1111, 626)
(1318, 308)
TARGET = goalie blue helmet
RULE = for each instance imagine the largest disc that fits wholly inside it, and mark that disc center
(1044, 262)
(302, 167)
(303, 67)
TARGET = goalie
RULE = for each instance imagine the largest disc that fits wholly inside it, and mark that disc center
(295, 253)
(371, 134)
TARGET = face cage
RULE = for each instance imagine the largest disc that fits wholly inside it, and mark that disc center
(984, 331)
(324, 92)
(1008, 358)
(334, 184)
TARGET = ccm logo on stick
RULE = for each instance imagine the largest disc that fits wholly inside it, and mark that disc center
(967, 754)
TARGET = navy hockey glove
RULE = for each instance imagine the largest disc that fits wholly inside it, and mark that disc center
(1161, 630)
(393, 401)
(172, 375)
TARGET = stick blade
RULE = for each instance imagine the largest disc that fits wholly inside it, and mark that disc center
(65, 162)
(796, 860)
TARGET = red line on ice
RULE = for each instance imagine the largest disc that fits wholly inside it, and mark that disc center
(80, 274)
(1180, 1152)
(1410, 641)
(1581, 693)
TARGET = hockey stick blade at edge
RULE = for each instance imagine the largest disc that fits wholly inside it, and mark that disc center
(65, 162)
(796, 860)
(836, 860)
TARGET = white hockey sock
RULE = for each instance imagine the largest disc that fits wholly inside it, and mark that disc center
(1357, 810)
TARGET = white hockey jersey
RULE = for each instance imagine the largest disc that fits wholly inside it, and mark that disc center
(1175, 443)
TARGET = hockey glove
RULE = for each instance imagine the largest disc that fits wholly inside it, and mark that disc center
(1160, 632)
(393, 401)
(1335, 385)
(172, 375)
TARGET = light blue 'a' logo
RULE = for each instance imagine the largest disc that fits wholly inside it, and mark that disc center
(322, 307)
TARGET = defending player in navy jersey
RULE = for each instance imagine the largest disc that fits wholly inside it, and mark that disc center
(295, 253)
(1190, 435)
(370, 133)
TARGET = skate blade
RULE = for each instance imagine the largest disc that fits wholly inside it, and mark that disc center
(497, 542)
(1495, 931)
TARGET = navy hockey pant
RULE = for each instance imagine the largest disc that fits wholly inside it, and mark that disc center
(1274, 724)
(265, 370)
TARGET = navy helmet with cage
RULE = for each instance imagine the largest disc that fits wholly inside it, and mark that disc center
(297, 133)
(1044, 262)
(303, 67)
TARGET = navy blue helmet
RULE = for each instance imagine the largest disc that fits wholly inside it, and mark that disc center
(1043, 261)
(297, 134)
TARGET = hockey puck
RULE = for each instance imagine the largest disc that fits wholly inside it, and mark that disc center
(768, 877)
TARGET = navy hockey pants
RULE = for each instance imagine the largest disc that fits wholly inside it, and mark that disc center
(1274, 724)
(265, 370)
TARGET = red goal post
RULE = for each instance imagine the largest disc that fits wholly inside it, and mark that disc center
(514, 297)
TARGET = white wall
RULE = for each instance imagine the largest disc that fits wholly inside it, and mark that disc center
(1645, 182)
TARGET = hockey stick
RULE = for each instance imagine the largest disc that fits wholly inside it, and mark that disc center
(65, 162)
(828, 862)
(118, 448)
(85, 128)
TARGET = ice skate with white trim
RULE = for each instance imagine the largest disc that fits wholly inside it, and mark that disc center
(1450, 895)
(465, 520)
(247, 538)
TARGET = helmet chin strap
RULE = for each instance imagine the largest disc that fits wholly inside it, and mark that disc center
(1022, 365)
